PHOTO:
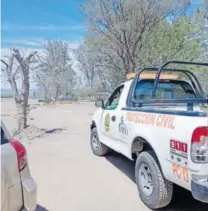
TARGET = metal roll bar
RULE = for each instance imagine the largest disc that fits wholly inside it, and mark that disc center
(190, 75)
(177, 62)
(203, 98)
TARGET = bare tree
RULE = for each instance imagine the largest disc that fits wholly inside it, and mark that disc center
(44, 84)
(22, 67)
(55, 74)
(86, 64)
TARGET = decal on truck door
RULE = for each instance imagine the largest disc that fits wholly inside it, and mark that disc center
(158, 120)
(122, 127)
(107, 122)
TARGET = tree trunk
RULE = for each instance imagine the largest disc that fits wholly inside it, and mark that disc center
(57, 93)
(26, 91)
(21, 112)
(21, 102)
(46, 94)
(91, 92)
(21, 116)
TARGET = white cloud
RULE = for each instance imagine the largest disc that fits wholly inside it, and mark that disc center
(23, 42)
(50, 27)
(35, 43)
(73, 45)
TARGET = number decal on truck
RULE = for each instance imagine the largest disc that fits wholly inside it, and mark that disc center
(179, 152)
(180, 172)
(179, 146)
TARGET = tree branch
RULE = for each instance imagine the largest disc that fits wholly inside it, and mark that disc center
(7, 66)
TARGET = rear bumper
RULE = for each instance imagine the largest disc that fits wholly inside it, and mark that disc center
(30, 194)
(199, 188)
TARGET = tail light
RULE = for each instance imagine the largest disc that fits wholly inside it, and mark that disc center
(199, 148)
(21, 153)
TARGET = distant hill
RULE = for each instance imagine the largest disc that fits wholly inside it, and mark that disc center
(8, 92)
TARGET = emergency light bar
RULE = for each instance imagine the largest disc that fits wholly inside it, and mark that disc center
(152, 75)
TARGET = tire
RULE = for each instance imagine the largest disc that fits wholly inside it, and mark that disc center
(97, 148)
(159, 194)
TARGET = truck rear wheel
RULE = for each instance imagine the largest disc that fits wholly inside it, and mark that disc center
(97, 147)
(154, 190)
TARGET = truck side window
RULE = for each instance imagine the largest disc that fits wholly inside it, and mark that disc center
(113, 100)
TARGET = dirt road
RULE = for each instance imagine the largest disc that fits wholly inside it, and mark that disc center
(69, 176)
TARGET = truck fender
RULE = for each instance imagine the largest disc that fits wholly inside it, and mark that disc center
(93, 125)
(148, 144)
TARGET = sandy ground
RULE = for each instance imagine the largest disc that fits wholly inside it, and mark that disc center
(68, 175)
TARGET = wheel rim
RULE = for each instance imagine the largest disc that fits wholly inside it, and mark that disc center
(145, 180)
(95, 142)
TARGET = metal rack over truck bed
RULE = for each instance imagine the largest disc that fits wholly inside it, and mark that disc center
(201, 96)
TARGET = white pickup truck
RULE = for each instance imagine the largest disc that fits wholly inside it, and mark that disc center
(159, 118)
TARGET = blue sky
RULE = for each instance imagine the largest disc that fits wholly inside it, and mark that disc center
(26, 23)
(195, 3)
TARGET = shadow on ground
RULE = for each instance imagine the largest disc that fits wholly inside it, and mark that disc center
(40, 208)
(33, 132)
(182, 199)
(55, 130)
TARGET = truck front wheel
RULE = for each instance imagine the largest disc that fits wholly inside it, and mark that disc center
(154, 190)
(97, 147)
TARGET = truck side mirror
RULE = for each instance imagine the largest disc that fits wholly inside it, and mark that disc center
(99, 104)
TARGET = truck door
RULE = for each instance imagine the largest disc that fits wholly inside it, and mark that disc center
(109, 118)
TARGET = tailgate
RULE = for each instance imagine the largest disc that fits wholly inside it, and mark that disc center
(199, 167)
(29, 189)
(11, 188)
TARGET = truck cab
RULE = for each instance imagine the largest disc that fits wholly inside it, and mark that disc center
(161, 120)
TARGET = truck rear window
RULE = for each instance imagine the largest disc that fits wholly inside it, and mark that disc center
(166, 89)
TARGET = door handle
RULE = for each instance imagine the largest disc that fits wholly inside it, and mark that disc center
(113, 118)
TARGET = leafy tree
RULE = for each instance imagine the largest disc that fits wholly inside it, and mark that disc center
(170, 41)
(200, 21)
(122, 27)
